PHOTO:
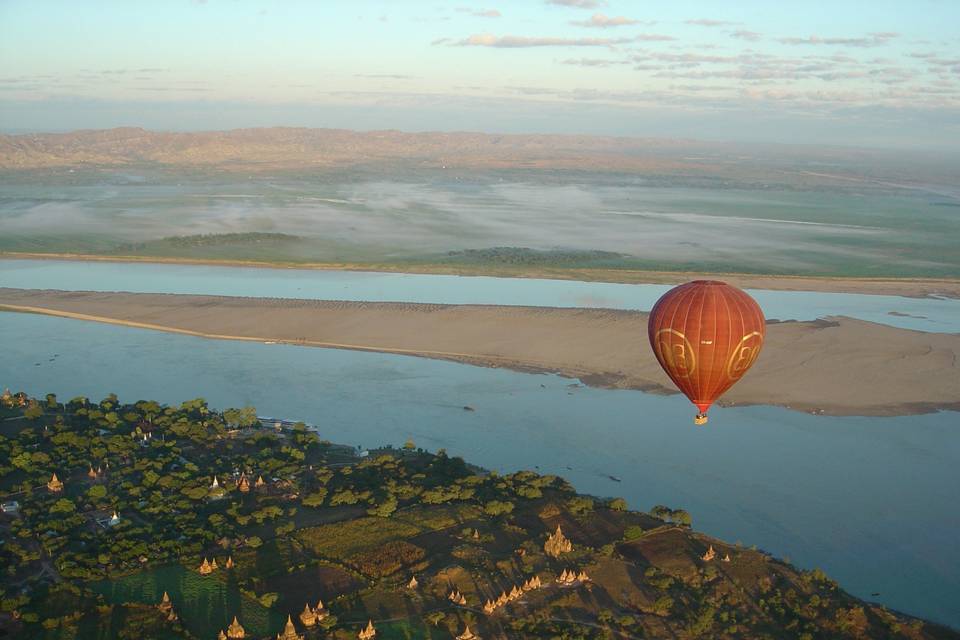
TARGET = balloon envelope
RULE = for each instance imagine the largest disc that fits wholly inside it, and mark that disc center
(706, 334)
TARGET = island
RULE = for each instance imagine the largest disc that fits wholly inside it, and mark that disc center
(142, 520)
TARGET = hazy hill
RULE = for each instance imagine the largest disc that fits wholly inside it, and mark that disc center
(294, 147)
(285, 148)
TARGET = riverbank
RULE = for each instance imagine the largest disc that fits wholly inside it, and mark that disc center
(838, 366)
(908, 287)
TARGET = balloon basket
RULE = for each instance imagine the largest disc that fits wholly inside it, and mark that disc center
(700, 419)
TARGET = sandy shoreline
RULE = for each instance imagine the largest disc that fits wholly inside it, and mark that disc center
(839, 367)
(909, 287)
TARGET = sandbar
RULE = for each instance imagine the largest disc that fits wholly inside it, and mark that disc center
(834, 366)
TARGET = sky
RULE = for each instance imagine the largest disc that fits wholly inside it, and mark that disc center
(874, 73)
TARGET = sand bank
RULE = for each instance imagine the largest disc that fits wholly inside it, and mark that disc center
(838, 366)
(909, 287)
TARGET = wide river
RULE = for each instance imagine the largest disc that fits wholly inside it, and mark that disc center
(872, 501)
(923, 314)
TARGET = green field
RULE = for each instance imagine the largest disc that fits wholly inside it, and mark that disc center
(206, 603)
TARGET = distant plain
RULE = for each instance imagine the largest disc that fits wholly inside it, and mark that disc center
(620, 204)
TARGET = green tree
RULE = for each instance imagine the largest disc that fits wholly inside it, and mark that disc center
(618, 504)
(33, 411)
(497, 507)
(385, 508)
(661, 512)
(580, 505)
(63, 506)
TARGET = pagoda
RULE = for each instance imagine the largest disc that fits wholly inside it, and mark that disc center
(569, 577)
(206, 568)
(467, 634)
(259, 483)
(229, 563)
(166, 607)
(308, 616)
(368, 632)
(725, 558)
(289, 632)
(557, 544)
(319, 611)
(709, 555)
(243, 485)
(55, 486)
(413, 584)
(235, 631)
(92, 474)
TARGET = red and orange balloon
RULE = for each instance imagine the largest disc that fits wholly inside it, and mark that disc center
(706, 334)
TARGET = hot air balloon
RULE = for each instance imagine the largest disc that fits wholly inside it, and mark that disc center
(706, 334)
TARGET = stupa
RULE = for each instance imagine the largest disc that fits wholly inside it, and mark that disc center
(467, 634)
(557, 544)
(55, 486)
(289, 632)
(368, 632)
(235, 631)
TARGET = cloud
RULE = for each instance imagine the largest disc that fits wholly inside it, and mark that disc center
(517, 42)
(652, 37)
(744, 34)
(578, 4)
(601, 21)
(592, 62)
(872, 40)
(706, 22)
(481, 13)
(386, 76)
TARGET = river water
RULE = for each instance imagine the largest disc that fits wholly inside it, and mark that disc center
(870, 500)
(923, 314)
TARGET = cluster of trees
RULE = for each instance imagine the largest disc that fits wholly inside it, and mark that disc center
(154, 466)
(676, 516)
(386, 482)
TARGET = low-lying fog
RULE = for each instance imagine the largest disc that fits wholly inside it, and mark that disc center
(773, 230)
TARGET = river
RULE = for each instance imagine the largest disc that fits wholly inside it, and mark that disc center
(922, 314)
(872, 501)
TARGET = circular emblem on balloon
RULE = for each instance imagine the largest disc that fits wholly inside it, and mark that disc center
(706, 335)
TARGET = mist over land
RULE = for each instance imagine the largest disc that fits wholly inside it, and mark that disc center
(317, 195)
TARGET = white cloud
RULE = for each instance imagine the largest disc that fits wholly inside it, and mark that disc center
(517, 42)
(871, 40)
(578, 4)
(602, 21)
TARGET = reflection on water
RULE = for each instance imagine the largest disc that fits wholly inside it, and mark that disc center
(870, 500)
(923, 314)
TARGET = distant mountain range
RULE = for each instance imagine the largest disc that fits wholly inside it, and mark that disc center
(335, 150)
(283, 147)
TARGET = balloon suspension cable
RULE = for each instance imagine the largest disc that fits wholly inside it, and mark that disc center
(700, 419)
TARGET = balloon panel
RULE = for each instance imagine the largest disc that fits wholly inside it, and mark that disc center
(706, 335)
